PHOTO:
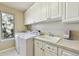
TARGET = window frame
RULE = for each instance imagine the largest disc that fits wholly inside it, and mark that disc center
(1, 24)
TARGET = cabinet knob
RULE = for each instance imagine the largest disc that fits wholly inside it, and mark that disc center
(48, 47)
(42, 49)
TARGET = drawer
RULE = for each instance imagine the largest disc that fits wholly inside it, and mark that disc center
(51, 48)
(37, 43)
(50, 54)
(68, 53)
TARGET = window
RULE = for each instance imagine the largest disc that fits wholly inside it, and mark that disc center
(7, 25)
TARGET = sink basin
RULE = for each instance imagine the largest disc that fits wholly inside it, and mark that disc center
(50, 38)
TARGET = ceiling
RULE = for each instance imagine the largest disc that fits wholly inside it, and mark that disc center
(18, 5)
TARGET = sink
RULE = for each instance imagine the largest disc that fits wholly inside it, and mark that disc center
(45, 36)
(53, 39)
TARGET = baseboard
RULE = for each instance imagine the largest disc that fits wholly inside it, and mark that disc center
(12, 48)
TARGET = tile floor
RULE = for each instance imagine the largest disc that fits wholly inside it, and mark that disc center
(9, 53)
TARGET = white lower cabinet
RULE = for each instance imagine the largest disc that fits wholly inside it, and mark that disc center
(44, 49)
(38, 49)
(64, 52)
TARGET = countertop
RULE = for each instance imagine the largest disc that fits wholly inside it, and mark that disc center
(26, 35)
(72, 45)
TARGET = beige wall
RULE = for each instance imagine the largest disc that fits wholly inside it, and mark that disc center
(6, 44)
(18, 25)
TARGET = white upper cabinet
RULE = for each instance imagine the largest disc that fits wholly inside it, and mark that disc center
(42, 11)
(32, 14)
(70, 11)
(53, 9)
(36, 13)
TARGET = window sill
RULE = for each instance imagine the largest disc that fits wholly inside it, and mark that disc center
(7, 39)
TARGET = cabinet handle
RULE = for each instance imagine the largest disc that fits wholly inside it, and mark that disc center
(42, 49)
(48, 47)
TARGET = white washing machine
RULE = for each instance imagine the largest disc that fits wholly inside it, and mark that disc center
(24, 44)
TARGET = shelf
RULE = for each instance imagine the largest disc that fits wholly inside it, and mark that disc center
(72, 20)
(54, 19)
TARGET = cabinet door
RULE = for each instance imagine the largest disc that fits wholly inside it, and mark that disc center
(29, 47)
(53, 9)
(40, 11)
(36, 12)
(28, 17)
(38, 48)
(72, 10)
(38, 51)
(60, 8)
(32, 14)
(50, 50)
(44, 10)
